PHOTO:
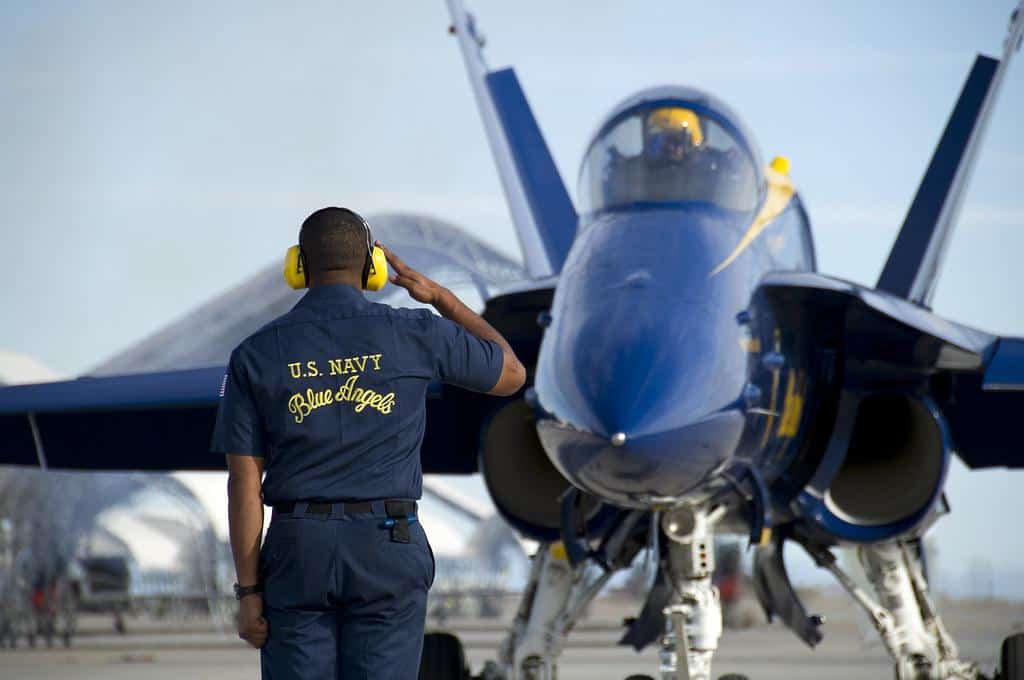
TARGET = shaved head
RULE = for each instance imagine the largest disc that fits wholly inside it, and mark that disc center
(333, 239)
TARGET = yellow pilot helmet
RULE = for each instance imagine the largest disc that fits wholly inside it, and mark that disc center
(668, 119)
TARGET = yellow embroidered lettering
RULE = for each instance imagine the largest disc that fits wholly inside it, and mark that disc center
(298, 406)
(311, 369)
(295, 369)
(345, 391)
(360, 362)
(335, 366)
(301, 404)
(375, 358)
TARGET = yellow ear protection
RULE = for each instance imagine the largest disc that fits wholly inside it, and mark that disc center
(295, 274)
(375, 269)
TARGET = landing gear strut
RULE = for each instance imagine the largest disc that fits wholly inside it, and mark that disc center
(556, 596)
(693, 617)
(905, 615)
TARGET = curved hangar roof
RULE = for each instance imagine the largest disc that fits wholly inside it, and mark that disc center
(206, 336)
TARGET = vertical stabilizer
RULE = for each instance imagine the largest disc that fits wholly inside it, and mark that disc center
(916, 257)
(541, 209)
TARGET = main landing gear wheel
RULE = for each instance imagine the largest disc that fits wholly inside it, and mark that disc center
(1011, 663)
(443, 658)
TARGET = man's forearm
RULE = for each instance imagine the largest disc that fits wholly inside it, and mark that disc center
(245, 523)
(453, 309)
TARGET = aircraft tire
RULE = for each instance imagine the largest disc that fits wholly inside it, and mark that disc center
(732, 676)
(443, 658)
(1011, 661)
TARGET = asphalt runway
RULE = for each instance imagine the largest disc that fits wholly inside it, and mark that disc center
(195, 652)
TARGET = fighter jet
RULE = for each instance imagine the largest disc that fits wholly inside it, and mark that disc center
(691, 372)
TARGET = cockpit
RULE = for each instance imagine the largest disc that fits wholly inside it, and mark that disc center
(667, 153)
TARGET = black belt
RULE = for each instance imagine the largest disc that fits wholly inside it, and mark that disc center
(399, 513)
(391, 508)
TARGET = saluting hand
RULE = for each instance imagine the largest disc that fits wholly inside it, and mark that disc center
(420, 287)
(252, 627)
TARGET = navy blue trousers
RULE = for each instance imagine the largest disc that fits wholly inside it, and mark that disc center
(342, 600)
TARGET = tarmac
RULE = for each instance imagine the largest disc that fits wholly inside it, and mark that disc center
(196, 651)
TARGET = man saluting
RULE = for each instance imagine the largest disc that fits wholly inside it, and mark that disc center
(328, 401)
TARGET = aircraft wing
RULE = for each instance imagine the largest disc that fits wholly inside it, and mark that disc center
(983, 408)
(152, 406)
(163, 421)
(541, 209)
(154, 421)
(888, 342)
(912, 268)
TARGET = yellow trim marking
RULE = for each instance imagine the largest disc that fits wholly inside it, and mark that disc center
(775, 393)
(780, 192)
(558, 551)
(750, 345)
(792, 409)
(766, 536)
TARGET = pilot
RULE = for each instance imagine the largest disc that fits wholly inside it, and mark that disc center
(670, 133)
(673, 140)
(681, 166)
(328, 402)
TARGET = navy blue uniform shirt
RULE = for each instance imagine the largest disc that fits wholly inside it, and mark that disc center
(333, 395)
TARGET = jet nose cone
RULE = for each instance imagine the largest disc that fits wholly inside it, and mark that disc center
(642, 360)
(640, 363)
(646, 470)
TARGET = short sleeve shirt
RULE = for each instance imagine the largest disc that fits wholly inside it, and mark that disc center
(333, 395)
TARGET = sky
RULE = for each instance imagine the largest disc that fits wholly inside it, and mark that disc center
(155, 153)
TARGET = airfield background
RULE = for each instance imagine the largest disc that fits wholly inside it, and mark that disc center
(156, 154)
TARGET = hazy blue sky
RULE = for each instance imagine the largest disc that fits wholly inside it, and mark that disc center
(154, 154)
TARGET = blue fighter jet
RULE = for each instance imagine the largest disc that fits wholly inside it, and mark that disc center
(691, 373)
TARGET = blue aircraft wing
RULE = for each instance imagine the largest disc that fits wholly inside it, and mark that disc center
(915, 260)
(541, 209)
(976, 378)
(984, 409)
(153, 405)
(151, 421)
(163, 421)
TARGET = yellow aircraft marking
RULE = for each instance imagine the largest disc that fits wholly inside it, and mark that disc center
(780, 192)
(775, 393)
(750, 345)
(792, 408)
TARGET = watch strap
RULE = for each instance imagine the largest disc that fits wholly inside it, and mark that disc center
(242, 591)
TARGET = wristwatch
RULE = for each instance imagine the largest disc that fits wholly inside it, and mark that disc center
(242, 591)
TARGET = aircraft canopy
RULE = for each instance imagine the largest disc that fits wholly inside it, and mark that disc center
(667, 153)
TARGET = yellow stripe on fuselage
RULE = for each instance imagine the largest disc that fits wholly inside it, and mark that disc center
(780, 193)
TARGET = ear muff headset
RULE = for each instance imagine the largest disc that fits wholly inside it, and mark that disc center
(375, 268)
(295, 274)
